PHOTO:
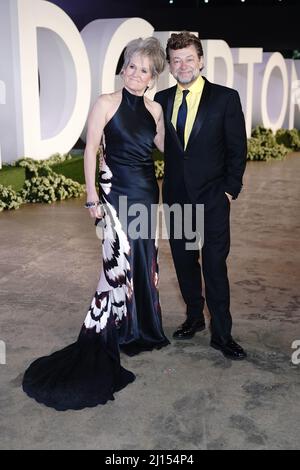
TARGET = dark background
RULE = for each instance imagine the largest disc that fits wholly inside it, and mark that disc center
(271, 24)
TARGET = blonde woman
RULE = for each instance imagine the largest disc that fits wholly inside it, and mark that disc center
(125, 310)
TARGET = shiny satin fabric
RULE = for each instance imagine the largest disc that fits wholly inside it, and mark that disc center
(129, 139)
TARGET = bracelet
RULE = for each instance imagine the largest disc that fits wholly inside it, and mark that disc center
(90, 204)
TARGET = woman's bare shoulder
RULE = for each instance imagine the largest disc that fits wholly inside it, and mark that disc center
(155, 107)
(108, 99)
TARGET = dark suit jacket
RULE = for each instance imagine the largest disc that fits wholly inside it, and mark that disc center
(217, 148)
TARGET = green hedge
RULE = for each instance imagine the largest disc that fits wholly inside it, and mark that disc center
(9, 198)
(159, 168)
(263, 145)
(40, 183)
(289, 138)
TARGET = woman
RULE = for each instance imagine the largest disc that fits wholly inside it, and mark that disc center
(125, 309)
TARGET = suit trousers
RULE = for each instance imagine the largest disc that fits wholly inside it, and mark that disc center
(214, 252)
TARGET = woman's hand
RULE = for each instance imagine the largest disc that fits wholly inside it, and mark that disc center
(96, 211)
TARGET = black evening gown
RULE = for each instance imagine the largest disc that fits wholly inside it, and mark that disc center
(125, 310)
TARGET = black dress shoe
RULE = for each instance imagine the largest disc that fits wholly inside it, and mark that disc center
(188, 329)
(231, 350)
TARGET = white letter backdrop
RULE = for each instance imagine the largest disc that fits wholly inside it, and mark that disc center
(50, 75)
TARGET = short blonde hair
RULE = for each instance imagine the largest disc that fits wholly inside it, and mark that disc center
(149, 47)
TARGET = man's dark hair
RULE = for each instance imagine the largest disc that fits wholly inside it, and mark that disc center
(181, 40)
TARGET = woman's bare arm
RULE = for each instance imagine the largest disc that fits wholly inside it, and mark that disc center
(96, 123)
(160, 128)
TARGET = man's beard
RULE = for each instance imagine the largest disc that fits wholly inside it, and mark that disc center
(187, 81)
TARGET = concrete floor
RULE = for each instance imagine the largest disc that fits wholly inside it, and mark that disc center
(186, 396)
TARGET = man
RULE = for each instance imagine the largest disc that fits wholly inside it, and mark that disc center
(205, 158)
